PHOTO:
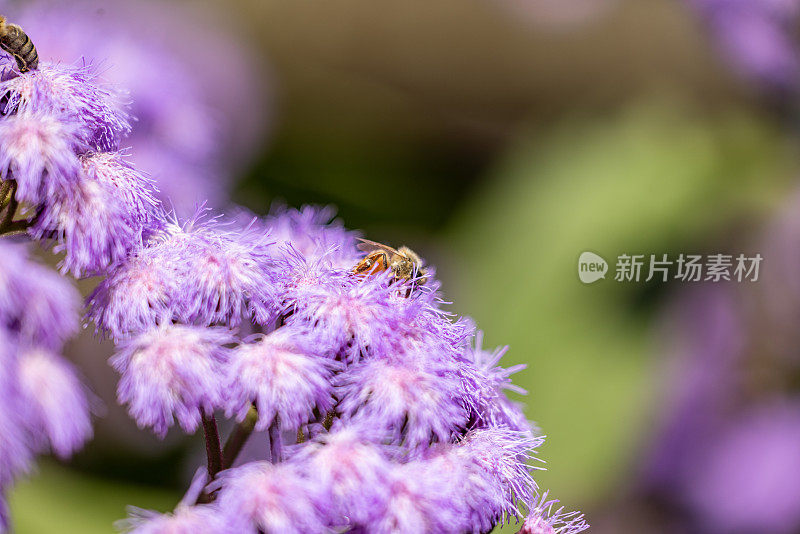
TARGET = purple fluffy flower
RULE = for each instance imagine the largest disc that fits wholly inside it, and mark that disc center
(224, 271)
(193, 131)
(172, 373)
(132, 188)
(198, 272)
(272, 498)
(98, 220)
(39, 150)
(40, 307)
(352, 470)
(184, 520)
(282, 377)
(483, 382)
(314, 234)
(461, 487)
(353, 318)
(187, 518)
(15, 449)
(504, 454)
(420, 499)
(74, 91)
(55, 405)
(135, 296)
(295, 277)
(412, 397)
(743, 479)
(545, 518)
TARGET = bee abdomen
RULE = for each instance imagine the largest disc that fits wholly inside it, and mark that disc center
(17, 43)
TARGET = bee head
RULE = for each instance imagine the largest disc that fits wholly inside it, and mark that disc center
(415, 267)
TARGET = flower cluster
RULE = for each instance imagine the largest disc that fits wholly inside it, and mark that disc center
(59, 148)
(43, 405)
(191, 131)
(383, 413)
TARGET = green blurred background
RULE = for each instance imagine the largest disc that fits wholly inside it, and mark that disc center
(500, 143)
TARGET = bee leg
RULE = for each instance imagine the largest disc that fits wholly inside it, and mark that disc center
(363, 266)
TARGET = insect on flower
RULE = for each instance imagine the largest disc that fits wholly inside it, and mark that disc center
(404, 263)
(17, 43)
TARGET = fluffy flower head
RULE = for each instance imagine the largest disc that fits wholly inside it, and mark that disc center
(39, 150)
(271, 498)
(172, 373)
(55, 402)
(282, 377)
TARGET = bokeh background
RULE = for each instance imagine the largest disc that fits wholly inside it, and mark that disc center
(499, 139)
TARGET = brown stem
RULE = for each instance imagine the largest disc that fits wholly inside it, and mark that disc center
(213, 451)
(237, 439)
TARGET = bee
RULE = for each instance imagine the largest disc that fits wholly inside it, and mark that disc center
(17, 43)
(403, 262)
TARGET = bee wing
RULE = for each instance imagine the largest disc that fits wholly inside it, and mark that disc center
(370, 246)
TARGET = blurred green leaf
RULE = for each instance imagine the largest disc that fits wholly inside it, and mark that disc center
(653, 179)
(58, 499)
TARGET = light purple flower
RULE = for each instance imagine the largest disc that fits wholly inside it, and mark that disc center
(355, 318)
(743, 479)
(16, 451)
(55, 405)
(421, 500)
(758, 36)
(413, 397)
(39, 150)
(351, 468)
(314, 234)
(71, 90)
(136, 296)
(199, 272)
(545, 518)
(172, 373)
(40, 307)
(505, 455)
(193, 131)
(187, 518)
(295, 277)
(282, 377)
(99, 219)
(133, 188)
(272, 498)
(483, 382)
(224, 270)
(184, 520)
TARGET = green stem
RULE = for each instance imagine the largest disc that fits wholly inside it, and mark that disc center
(5, 187)
(10, 203)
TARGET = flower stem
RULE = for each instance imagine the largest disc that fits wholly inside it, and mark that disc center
(5, 187)
(275, 441)
(213, 451)
(9, 201)
(237, 439)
